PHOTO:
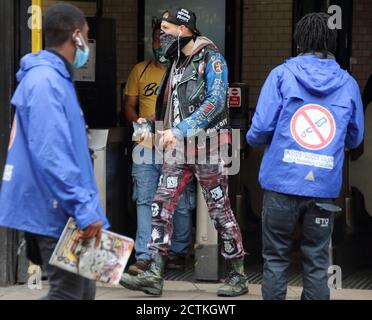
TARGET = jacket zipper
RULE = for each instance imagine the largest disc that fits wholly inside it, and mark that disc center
(198, 91)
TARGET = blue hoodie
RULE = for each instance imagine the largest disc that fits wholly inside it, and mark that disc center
(48, 175)
(309, 109)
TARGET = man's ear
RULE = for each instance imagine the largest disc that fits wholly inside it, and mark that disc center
(181, 30)
(76, 38)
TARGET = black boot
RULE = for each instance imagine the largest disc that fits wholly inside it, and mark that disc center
(150, 281)
(236, 280)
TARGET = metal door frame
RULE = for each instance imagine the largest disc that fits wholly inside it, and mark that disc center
(7, 68)
(17, 36)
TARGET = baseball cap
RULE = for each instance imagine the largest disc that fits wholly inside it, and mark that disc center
(182, 16)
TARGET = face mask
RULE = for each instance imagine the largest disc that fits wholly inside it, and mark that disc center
(171, 45)
(159, 56)
(81, 57)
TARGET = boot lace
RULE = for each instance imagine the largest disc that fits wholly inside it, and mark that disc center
(233, 278)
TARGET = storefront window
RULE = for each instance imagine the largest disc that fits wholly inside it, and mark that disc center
(211, 19)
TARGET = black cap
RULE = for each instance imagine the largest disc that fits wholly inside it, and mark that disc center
(182, 16)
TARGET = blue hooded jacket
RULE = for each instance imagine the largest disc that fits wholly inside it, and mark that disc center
(309, 109)
(48, 175)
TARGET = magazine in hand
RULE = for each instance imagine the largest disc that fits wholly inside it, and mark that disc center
(105, 263)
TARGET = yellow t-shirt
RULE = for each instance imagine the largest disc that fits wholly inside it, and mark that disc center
(146, 87)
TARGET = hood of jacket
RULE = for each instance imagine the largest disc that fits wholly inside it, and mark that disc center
(318, 76)
(42, 58)
(200, 43)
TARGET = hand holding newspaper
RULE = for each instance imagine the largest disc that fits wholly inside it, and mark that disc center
(106, 263)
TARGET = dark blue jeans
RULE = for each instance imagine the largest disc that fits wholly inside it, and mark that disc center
(145, 182)
(281, 213)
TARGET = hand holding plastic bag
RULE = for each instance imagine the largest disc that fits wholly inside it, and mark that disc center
(142, 132)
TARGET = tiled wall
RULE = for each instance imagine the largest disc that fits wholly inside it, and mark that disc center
(267, 40)
(362, 41)
(125, 14)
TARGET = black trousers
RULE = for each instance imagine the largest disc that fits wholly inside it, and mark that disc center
(63, 285)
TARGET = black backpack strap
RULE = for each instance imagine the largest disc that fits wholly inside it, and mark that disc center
(147, 65)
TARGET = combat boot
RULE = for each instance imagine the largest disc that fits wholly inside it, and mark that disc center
(236, 280)
(150, 281)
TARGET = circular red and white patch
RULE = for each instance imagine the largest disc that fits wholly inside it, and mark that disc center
(313, 127)
(217, 66)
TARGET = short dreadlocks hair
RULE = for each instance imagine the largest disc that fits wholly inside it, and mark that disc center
(313, 34)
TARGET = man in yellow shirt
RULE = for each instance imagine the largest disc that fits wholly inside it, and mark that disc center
(141, 89)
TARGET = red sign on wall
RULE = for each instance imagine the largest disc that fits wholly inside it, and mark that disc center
(235, 97)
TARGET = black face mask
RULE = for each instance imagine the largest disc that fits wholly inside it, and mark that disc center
(169, 43)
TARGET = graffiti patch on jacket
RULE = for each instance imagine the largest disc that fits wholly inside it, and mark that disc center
(217, 66)
(216, 75)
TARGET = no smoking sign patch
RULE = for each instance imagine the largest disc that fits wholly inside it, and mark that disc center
(313, 127)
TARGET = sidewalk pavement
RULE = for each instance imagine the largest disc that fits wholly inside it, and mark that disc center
(177, 290)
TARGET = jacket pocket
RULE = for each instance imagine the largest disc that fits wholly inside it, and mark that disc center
(326, 206)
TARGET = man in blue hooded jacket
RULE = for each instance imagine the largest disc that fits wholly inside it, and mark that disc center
(48, 176)
(308, 111)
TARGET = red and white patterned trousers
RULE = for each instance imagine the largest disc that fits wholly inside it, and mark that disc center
(214, 183)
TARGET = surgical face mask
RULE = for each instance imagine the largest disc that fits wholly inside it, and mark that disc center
(81, 57)
(159, 55)
(172, 45)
